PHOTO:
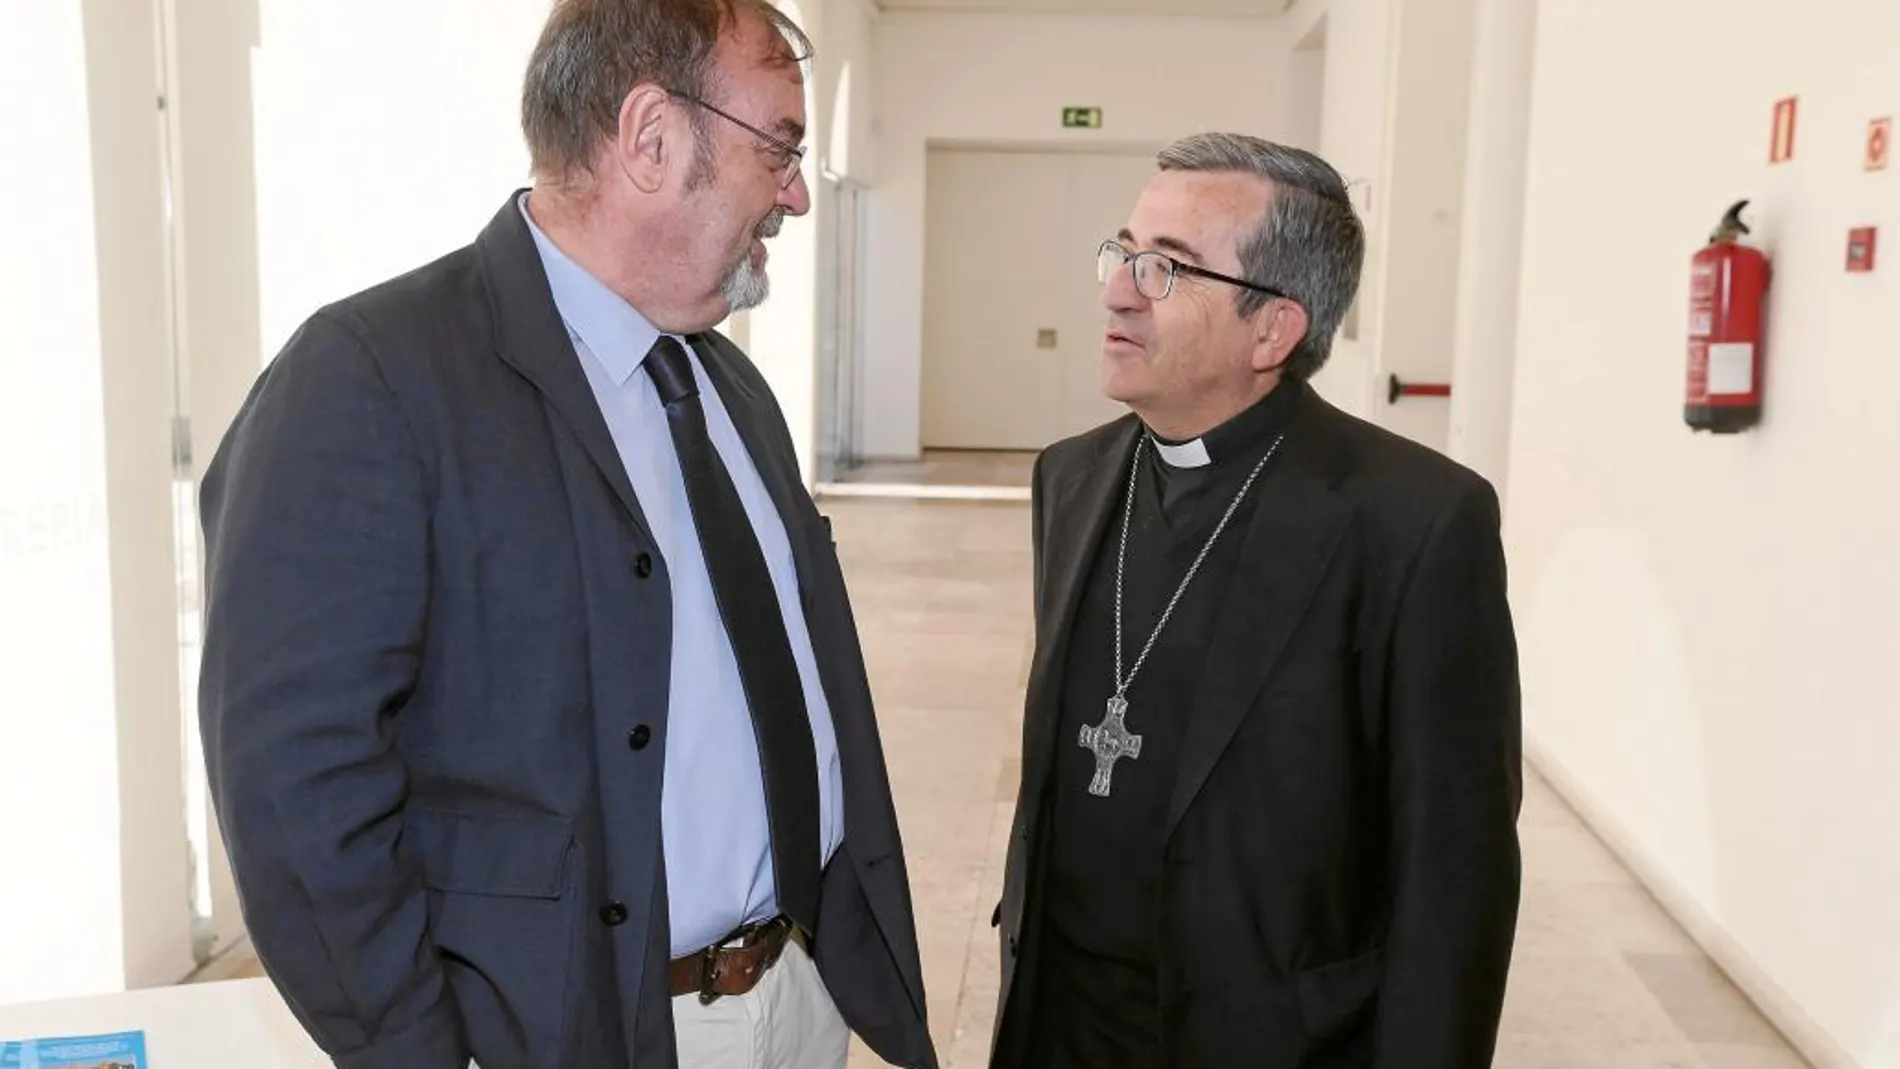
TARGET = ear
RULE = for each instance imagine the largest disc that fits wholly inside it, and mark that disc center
(644, 139)
(1279, 328)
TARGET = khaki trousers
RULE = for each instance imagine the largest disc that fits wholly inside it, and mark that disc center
(787, 1022)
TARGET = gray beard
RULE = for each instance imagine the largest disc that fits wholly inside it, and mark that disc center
(746, 286)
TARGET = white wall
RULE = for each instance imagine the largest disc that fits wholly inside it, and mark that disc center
(1429, 94)
(1708, 623)
(851, 36)
(782, 335)
(846, 158)
(387, 135)
(1306, 91)
(91, 806)
(1003, 79)
(1490, 247)
(1354, 109)
(1398, 84)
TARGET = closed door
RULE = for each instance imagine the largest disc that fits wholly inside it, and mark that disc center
(1012, 311)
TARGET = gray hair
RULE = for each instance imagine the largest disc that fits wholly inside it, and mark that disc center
(592, 53)
(1311, 244)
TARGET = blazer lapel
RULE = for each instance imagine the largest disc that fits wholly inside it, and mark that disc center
(1297, 524)
(534, 341)
(751, 415)
(1083, 499)
(756, 418)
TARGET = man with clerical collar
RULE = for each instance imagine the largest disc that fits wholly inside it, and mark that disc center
(1271, 745)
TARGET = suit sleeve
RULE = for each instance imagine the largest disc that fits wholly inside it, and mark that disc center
(1455, 789)
(1037, 493)
(316, 521)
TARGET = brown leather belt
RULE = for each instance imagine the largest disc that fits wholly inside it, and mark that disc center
(733, 965)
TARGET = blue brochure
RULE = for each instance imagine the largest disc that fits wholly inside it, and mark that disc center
(122, 1050)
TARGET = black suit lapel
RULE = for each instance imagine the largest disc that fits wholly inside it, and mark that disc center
(1082, 499)
(751, 415)
(534, 341)
(757, 419)
(1296, 526)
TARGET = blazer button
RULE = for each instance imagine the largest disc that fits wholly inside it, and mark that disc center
(613, 914)
(643, 565)
(638, 738)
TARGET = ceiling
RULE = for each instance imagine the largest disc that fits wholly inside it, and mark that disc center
(1226, 8)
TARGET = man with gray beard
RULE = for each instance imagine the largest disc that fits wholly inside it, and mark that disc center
(533, 706)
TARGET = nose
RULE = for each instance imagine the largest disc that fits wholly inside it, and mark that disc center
(1119, 293)
(796, 198)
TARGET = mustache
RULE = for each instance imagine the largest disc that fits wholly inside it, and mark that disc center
(769, 226)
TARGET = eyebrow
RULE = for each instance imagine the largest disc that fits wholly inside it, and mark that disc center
(791, 129)
(1166, 244)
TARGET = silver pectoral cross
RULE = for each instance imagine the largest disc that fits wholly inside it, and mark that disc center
(1110, 741)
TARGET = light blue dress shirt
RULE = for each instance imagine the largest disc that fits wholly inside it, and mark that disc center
(712, 812)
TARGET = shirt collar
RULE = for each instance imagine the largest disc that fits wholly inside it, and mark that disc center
(1235, 437)
(1185, 455)
(613, 330)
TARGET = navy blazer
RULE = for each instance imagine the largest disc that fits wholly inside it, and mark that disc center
(434, 691)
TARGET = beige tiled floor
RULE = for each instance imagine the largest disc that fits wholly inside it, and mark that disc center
(1602, 979)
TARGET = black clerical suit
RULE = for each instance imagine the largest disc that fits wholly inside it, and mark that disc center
(1312, 861)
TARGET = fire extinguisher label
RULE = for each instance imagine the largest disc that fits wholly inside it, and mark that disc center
(1731, 368)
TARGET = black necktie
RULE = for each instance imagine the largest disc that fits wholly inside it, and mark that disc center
(748, 603)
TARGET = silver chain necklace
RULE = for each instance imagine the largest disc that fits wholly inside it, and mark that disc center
(1110, 740)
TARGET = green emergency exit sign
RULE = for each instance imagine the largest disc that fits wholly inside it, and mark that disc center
(1082, 118)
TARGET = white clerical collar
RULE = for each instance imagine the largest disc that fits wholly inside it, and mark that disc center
(1186, 455)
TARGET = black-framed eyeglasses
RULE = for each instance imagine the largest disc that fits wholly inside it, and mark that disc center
(1155, 271)
(794, 155)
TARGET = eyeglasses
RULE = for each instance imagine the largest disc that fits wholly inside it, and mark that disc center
(1154, 272)
(794, 154)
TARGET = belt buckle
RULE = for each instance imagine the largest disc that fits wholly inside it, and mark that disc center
(709, 975)
(738, 939)
(709, 967)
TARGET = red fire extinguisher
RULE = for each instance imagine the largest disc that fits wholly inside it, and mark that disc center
(1728, 283)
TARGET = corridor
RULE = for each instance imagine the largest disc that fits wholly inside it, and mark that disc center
(1705, 623)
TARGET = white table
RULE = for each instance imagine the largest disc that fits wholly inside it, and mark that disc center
(235, 1024)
